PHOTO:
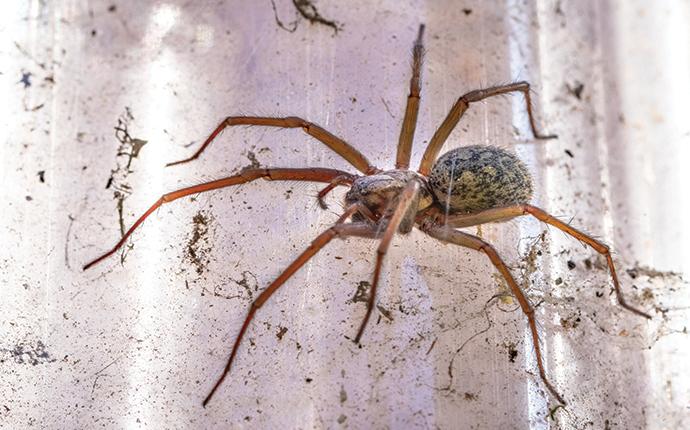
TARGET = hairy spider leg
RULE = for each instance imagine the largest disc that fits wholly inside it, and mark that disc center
(502, 214)
(402, 159)
(338, 230)
(342, 148)
(459, 108)
(247, 175)
(407, 197)
(450, 235)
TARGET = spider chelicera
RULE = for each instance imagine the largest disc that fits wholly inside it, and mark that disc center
(467, 186)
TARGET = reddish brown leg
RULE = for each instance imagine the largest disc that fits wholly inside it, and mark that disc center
(338, 230)
(247, 175)
(337, 144)
(407, 197)
(459, 108)
(340, 180)
(448, 234)
(402, 159)
(502, 214)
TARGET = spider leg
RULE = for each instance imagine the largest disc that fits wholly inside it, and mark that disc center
(502, 214)
(344, 149)
(459, 108)
(402, 159)
(247, 175)
(407, 198)
(340, 180)
(450, 235)
(338, 230)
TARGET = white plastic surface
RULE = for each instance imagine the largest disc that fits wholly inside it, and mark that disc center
(138, 344)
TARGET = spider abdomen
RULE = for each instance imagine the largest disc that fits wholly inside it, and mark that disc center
(474, 178)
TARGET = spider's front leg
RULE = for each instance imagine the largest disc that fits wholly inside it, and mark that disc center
(401, 217)
(450, 235)
(340, 180)
(459, 108)
(338, 145)
(402, 158)
(247, 175)
(338, 230)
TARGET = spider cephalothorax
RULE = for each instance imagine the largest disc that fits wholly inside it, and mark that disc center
(466, 187)
(380, 193)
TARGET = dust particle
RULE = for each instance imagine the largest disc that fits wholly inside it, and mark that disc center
(470, 396)
(362, 293)
(198, 246)
(28, 354)
(512, 353)
(576, 89)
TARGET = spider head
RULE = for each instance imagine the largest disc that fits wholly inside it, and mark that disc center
(380, 192)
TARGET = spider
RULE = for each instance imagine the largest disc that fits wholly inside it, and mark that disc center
(467, 186)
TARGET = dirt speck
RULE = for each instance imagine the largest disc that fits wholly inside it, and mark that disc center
(25, 79)
(385, 312)
(362, 293)
(575, 89)
(281, 332)
(571, 321)
(198, 248)
(649, 272)
(512, 352)
(307, 10)
(24, 353)
(127, 151)
(254, 162)
(647, 295)
(470, 396)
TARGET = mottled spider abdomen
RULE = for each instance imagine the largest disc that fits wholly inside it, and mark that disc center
(474, 178)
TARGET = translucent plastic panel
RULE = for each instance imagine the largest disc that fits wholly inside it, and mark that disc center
(99, 96)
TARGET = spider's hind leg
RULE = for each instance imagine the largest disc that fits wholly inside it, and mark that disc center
(502, 214)
(450, 235)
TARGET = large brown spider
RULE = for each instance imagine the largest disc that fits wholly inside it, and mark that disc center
(466, 187)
